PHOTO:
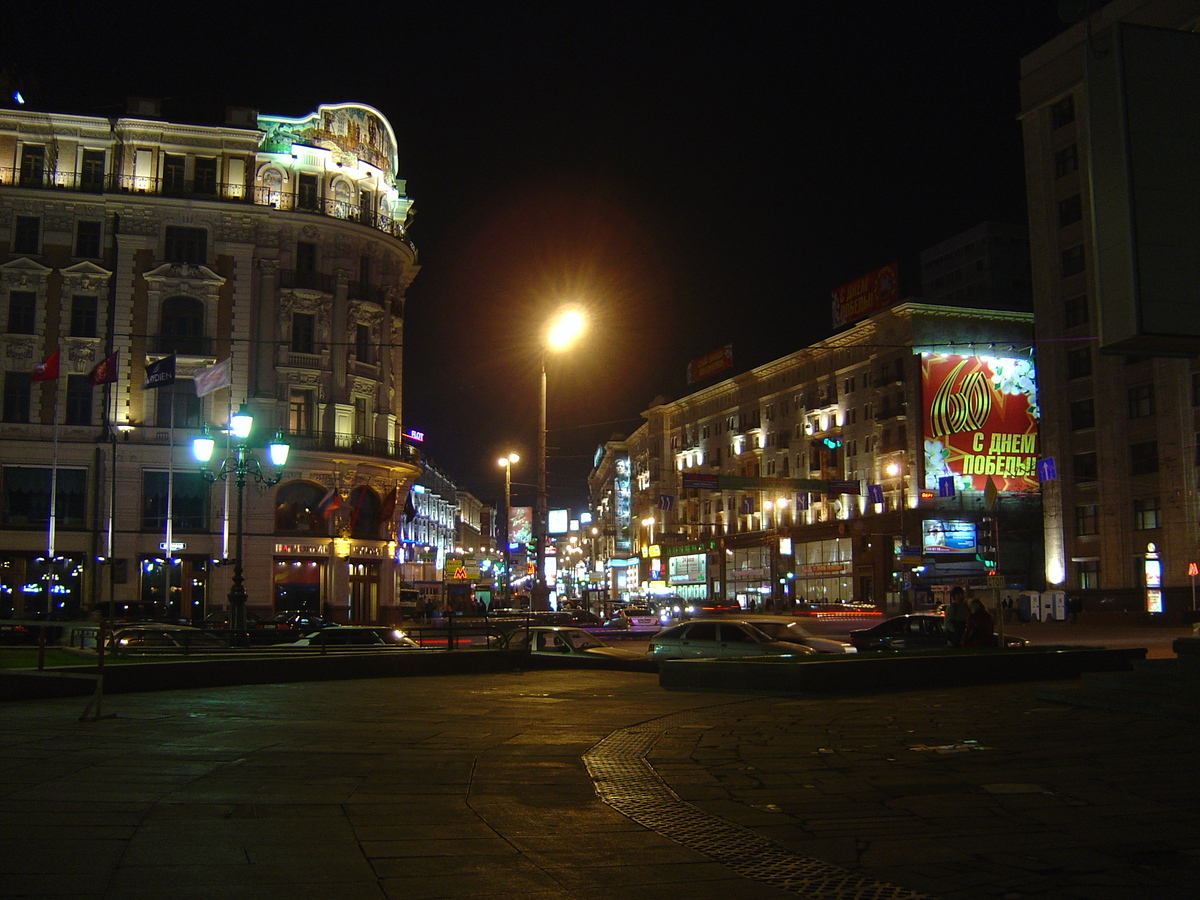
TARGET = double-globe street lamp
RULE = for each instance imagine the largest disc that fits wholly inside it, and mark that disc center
(507, 462)
(242, 464)
(562, 333)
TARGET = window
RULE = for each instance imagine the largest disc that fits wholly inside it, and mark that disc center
(362, 343)
(366, 207)
(87, 239)
(83, 316)
(1075, 311)
(27, 234)
(1066, 161)
(1070, 211)
(204, 180)
(1083, 414)
(189, 500)
(174, 167)
(1072, 261)
(181, 329)
(22, 312)
(16, 396)
(33, 165)
(1089, 574)
(1062, 112)
(27, 496)
(91, 175)
(1084, 467)
(1141, 401)
(300, 412)
(306, 256)
(304, 332)
(362, 417)
(1143, 458)
(177, 404)
(1087, 519)
(1146, 514)
(79, 400)
(306, 192)
(1079, 362)
(186, 245)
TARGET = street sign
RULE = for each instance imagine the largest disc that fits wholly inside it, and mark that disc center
(995, 581)
(1046, 470)
(175, 545)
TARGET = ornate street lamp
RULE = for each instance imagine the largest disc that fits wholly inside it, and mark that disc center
(242, 464)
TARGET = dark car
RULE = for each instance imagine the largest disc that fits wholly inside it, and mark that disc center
(155, 638)
(355, 637)
(916, 631)
(223, 619)
(723, 638)
(302, 620)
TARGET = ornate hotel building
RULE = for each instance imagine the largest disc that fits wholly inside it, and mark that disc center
(276, 243)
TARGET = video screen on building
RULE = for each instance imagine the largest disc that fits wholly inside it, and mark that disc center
(980, 418)
(947, 536)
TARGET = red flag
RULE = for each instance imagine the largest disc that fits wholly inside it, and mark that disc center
(47, 370)
(329, 503)
(389, 506)
(105, 371)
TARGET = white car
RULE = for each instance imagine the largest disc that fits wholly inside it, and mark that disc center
(357, 637)
(633, 618)
(787, 628)
(718, 639)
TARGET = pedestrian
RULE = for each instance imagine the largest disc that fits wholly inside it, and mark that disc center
(1074, 608)
(980, 630)
(956, 615)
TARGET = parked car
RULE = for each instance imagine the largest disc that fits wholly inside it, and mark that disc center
(719, 638)
(223, 619)
(633, 618)
(162, 638)
(355, 637)
(582, 618)
(787, 628)
(301, 620)
(565, 642)
(915, 631)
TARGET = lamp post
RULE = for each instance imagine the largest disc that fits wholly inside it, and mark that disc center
(242, 464)
(507, 462)
(562, 333)
(774, 553)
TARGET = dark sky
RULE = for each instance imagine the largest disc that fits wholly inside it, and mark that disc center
(694, 174)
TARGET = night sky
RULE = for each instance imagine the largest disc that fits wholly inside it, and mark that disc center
(694, 174)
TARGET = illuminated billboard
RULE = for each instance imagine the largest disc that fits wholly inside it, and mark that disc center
(947, 536)
(980, 418)
(520, 525)
(865, 295)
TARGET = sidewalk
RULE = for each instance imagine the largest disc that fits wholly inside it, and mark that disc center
(495, 784)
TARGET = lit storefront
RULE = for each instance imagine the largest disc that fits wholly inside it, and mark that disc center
(824, 571)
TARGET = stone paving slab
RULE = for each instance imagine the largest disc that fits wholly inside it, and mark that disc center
(476, 786)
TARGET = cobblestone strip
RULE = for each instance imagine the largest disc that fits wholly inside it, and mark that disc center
(629, 784)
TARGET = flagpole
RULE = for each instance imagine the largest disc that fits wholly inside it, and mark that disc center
(53, 504)
(170, 508)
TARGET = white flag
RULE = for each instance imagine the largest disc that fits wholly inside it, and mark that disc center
(212, 379)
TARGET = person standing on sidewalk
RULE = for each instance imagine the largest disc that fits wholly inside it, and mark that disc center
(956, 615)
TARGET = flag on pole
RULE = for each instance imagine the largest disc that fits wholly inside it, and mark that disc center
(160, 373)
(329, 503)
(212, 379)
(410, 511)
(389, 506)
(666, 501)
(104, 372)
(47, 369)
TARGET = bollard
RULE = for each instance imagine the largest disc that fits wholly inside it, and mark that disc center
(450, 632)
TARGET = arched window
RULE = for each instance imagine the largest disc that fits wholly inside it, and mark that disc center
(341, 199)
(297, 509)
(272, 188)
(365, 507)
(181, 329)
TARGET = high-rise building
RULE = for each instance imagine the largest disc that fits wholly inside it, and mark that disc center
(1120, 428)
(986, 267)
(276, 246)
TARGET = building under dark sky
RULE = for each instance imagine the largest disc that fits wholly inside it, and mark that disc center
(696, 174)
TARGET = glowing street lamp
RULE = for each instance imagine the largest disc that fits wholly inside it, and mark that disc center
(242, 464)
(563, 332)
(507, 462)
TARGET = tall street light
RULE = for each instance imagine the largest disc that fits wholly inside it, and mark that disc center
(562, 333)
(507, 462)
(240, 466)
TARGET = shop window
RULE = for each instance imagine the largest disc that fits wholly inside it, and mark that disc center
(298, 584)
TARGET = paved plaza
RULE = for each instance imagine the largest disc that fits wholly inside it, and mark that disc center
(592, 785)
